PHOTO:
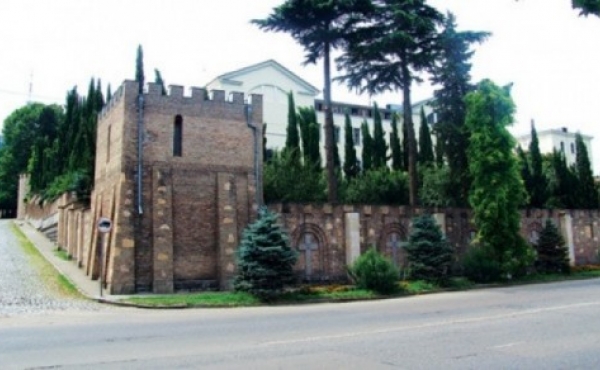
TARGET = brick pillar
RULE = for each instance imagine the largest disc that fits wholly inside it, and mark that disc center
(162, 214)
(228, 229)
(121, 269)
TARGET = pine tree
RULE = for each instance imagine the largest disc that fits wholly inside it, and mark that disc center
(452, 73)
(562, 182)
(587, 190)
(552, 255)
(292, 139)
(351, 169)
(397, 155)
(379, 145)
(425, 145)
(139, 69)
(367, 148)
(538, 184)
(430, 255)
(265, 259)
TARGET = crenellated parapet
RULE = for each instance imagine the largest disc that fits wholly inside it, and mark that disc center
(198, 101)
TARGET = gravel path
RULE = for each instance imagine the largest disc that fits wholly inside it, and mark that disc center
(22, 290)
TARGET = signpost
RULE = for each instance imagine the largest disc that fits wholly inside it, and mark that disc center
(104, 225)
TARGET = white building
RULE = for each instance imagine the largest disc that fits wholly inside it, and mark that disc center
(274, 82)
(559, 140)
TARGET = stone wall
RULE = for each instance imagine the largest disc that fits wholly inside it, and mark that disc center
(330, 237)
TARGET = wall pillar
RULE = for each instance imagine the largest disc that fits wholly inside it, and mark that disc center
(352, 228)
(162, 214)
(566, 221)
(440, 219)
(227, 229)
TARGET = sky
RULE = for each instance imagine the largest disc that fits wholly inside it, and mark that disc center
(549, 53)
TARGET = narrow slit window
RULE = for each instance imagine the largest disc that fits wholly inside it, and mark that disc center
(178, 136)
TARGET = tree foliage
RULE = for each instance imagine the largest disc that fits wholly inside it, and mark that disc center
(497, 190)
(425, 145)
(552, 254)
(393, 45)
(538, 184)
(351, 168)
(429, 254)
(319, 26)
(587, 191)
(292, 137)
(380, 147)
(452, 73)
(397, 155)
(311, 136)
(375, 272)
(367, 148)
(378, 186)
(265, 259)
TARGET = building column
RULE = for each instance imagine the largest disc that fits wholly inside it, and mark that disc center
(162, 214)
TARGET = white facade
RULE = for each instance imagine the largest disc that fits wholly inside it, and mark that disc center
(559, 140)
(274, 82)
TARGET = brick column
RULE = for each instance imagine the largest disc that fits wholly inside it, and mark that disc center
(228, 229)
(162, 214)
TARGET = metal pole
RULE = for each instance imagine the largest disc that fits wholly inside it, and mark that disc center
(102, 239)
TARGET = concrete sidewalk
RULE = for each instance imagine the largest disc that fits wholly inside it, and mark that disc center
(86, 286)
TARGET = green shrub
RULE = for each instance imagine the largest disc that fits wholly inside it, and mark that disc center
(379, 186)
(265, 259)
(429, 253)
(375, 272)
(552, 255)
(480, 265)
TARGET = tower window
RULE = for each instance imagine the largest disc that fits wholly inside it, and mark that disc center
(178, 136)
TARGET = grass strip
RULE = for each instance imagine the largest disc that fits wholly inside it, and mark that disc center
(49, 275)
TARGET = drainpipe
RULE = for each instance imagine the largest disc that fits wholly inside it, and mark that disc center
(257, 174)
(140, 127)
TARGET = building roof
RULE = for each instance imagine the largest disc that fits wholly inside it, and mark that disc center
(233, 75)
(563, 131)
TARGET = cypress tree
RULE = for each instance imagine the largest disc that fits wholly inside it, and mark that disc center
(158, 79)
(108, 93)
(397, 155)
(587, 190)
(425, 145)
(292, 139)
(538, 185)
(404, 146)
(497, 191)
(439, 149)
(562, 183)
(351, 169)
(525, 171)
(139, 69)
(379, 144)
(367, 150)
(310, 133)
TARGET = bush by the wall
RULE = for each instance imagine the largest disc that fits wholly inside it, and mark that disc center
(480, 266)
(265, 259)
(375, 272)
(429, 253)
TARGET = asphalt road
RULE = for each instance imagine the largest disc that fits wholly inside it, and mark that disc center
(548, 326)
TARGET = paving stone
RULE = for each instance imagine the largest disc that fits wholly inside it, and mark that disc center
(22, 289)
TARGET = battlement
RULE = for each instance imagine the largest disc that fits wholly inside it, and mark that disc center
(176, 95)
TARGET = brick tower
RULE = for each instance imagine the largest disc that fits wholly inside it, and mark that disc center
(176, 227)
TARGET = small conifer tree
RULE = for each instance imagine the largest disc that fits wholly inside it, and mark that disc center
(429, 253)
(552, 255)
(265, 259)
